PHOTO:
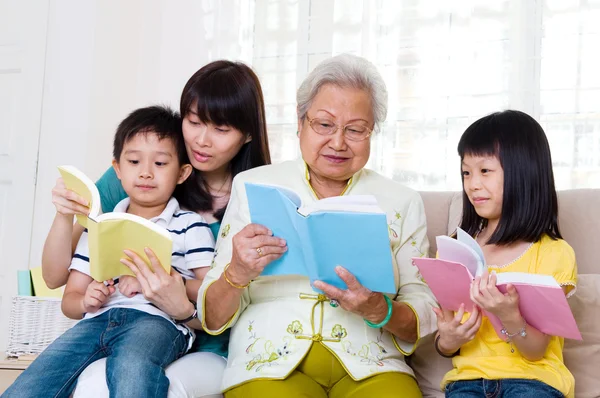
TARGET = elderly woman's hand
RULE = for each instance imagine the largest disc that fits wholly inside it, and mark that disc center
(166, 291)
(254, 247)
(357, 298)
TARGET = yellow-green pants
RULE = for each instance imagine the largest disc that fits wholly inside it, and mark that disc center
(321, 375)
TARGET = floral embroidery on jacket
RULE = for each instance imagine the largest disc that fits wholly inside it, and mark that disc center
(413, 243)
(338, 331)
(225, 231)
(295, 328)
(372, 353)
(270, 354)
(397, 217)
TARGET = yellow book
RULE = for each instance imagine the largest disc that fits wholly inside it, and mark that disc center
(40, 289)
(111, 233)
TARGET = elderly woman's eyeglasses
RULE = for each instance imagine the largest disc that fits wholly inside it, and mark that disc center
(353, 132)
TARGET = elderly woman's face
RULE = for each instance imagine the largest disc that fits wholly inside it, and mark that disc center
(333, 156)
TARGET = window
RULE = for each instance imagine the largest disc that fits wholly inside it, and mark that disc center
(446, 63)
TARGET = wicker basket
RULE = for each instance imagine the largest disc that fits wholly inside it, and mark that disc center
(34, 323)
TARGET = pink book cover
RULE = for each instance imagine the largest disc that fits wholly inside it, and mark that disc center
(541, 300)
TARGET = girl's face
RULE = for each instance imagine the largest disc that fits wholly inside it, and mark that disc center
(483, 182)
(210, 147)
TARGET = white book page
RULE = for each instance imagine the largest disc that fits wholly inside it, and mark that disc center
(468, 240)
(530, 279)
(95, 208)
(353, 203)
(459, 252)
(132, 217)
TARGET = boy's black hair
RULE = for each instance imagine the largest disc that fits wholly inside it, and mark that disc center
(159, 120)
(529, 203)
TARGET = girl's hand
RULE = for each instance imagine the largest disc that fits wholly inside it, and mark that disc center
(67, 202)
(96, 295)
(166, 291)
(486, 295)
(254, 247)
(357, 298)
(129, 286)
(453, 333)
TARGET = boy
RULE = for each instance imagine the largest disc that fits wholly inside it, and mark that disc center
(138, 339)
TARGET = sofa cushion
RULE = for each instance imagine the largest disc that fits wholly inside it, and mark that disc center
(583, 357)
(578, 217)
(429, 368)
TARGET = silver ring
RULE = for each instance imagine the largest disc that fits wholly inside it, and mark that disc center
(334, 303)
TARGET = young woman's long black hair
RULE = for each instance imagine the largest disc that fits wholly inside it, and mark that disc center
(529, 203)
(225, 93)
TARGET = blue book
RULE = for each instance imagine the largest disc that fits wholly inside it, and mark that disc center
(24, 283)
(350, 231)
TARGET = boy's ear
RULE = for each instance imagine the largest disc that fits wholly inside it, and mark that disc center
(115, 165)
(184, 173)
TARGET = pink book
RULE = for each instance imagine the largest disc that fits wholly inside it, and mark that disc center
(541, 299)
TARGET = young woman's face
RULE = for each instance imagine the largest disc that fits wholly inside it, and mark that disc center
(211, 147)
(483, 181)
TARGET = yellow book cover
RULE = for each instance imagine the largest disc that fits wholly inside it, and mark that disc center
(111, 233)
(40, 289)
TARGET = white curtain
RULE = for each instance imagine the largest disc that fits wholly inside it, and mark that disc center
(446, 63)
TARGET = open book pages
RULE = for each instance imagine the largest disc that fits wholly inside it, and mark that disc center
(77, 181)
(352, 203)
(506, 278)
(463, 250)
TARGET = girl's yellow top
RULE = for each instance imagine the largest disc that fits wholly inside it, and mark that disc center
(488, 356)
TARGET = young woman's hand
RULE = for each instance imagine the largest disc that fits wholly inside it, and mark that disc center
(96, 295)
(67, 202)
(129, 286)
(254, 247)
(486, 295)
(453, 332)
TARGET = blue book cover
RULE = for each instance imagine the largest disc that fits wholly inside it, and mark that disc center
(350, 231)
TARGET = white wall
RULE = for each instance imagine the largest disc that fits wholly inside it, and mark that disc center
(106, 58)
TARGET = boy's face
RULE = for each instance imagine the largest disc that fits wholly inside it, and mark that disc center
(149, 169)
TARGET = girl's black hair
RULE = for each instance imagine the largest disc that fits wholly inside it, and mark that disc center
(225, 93)
(529, 204)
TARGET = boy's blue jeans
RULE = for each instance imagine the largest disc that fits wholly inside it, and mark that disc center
(504, 388)
(138, 347)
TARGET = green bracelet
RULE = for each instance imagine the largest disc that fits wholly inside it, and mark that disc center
(387, 317)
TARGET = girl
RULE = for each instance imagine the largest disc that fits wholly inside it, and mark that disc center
(224, 129)
(510, 208)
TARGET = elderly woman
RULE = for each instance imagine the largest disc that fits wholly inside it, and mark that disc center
(286, 340)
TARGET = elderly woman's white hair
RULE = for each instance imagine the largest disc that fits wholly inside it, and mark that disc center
(345, 70)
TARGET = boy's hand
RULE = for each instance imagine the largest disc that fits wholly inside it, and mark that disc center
(486, 295)
(96, 295)
(129, 286)
(453, 333)
(67, 202)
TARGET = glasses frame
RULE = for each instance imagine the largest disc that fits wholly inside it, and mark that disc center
(335, 130)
